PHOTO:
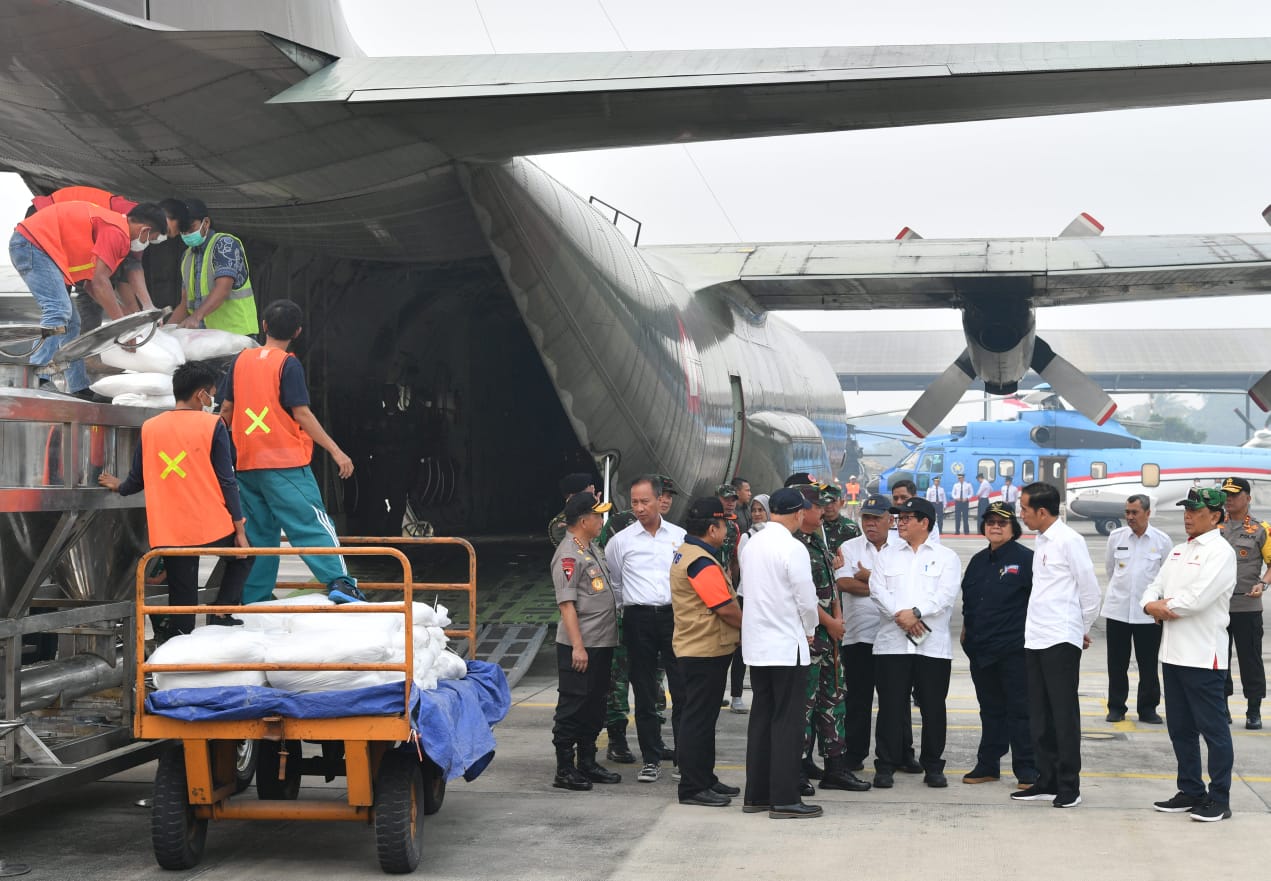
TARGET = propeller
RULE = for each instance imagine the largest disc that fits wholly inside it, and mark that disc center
(1261, 391)
(1077, 389)
(1082, 225)
(941, 396)
(906, 234)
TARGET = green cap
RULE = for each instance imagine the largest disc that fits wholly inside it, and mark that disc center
(726, 491)
(830, 493)
(1204, 497)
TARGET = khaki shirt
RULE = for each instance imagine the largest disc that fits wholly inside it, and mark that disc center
(580, 577)
(699, 632)
(1249, 539)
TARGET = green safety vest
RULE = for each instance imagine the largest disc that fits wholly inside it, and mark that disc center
(238, 313)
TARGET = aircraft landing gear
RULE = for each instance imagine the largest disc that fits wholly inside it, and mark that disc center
(1105, 525)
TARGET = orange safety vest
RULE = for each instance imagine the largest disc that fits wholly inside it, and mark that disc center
(853, 491)
(65, 232)
(265, 435)
(185, 506)
(99, 197)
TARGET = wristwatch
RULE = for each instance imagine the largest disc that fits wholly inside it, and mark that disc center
(917, 613)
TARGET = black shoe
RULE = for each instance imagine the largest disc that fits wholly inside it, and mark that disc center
(1067, 800)
(755, 809)
(844, 780)
(223, 621)
(87, 394)
(620, 753)
(1253, 723)
(668, 754)
(806, 789)
(1179, 804)
(912, 766)
(571, 778)
(797, 811)
(810, 769)
(935, 779)
(1208, 812)
(1034, 793)
(598, 773)
(707, 799)
(1114, 716)
(724, 789)
(855, 766)
(1152, 718)
(884, 780)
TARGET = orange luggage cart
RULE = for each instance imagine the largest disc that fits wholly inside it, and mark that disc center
(199, 779)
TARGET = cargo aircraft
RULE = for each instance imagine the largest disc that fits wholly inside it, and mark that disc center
(475, 329)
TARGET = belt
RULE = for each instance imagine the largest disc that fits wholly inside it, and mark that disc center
(646, 607)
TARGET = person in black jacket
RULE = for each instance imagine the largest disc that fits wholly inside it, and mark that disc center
(995, 591)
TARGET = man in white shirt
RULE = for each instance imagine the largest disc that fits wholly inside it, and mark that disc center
(1191, 597)
(1134, 556)
(639, 559)
(914, 587)
(776, 633)
(862, 619)
(1010, 493)
(982, 494)
(1062, 607)
(962, 493)
(939, 498)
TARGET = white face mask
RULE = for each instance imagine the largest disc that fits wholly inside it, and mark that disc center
(211, 404)
(138, 245)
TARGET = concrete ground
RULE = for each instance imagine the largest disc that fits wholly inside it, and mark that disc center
(511, 823)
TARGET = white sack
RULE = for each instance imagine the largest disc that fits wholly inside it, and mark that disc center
(200, 344)
(282, 621)
(330, 647)
(156, 384)
(154, 402)
(211, 645)
(160, 354)
(450, 666)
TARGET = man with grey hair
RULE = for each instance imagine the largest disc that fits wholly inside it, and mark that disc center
(1134, 556)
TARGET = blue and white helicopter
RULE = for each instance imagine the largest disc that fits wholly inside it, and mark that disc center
(1095, 467)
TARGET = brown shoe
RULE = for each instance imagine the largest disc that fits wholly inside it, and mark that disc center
(975, 777)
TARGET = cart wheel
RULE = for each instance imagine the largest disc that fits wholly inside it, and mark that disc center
(268, 786)
(399, 814)
(245, 759)
(177, 835)
(434, 788)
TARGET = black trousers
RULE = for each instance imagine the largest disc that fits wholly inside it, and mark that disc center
(738, 669)
(647, 632)
(896, 678)
(1245, 632)
(1055, 717)
(183, 582)
(1146, 639)
(1195, 707)
(858, 699)
(580, 704)
(704, 680)
(961, 517)
(1001, 688)
(774, 737)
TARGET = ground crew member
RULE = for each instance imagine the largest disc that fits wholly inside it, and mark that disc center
(184, 462)
(852, 493)
(838, 528)
(569, 484)
(267, 409)
(71, 242)
(585, 637)
(1134, 555)
(216, 284)
(823, 710)
(1251, 540)
(707, 631)
(1190, 597)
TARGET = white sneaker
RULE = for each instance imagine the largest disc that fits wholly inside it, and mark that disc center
(739, 706)
(675, 773)
(649, 773)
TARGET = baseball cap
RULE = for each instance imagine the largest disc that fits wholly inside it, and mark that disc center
(726, 491)
(916, 505)
(830, 493)
(708, 507)
(575, 483)
(668, 486)
(811, 492)
(1205, 497)
(1000, 509)
(584, 503)
(800, 478)
(787, 501)
(876, 506)
(1237, 485)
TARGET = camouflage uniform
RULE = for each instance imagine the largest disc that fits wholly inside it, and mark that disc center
(824, 714)
(838, 531)
(556, 529)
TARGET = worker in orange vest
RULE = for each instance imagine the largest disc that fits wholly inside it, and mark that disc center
(852, 491)
(267, 408)
(184, 462)
(77, 241)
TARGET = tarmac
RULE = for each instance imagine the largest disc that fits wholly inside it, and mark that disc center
(511, 824)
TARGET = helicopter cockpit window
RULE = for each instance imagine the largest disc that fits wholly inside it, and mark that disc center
(909, 461)
(1098, 470)
(1151, 475)
(932, 463)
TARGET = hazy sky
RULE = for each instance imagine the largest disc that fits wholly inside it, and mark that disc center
(1201, 169)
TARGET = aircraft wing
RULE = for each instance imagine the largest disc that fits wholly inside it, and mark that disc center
(495, 106)
(943, 273)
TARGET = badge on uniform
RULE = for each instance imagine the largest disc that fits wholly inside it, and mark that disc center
(1244, 552)
(597, 584)
(567, 566)
(1012, 569)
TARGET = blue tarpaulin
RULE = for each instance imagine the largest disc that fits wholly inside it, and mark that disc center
(454, 721)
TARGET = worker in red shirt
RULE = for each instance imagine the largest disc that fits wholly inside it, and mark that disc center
(69, 242)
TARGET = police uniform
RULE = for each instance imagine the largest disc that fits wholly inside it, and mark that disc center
(1251, 540)
(579, 576)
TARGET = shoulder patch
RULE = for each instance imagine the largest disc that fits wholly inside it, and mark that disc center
(567, 566)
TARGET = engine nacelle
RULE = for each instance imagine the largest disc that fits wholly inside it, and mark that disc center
(999, 338)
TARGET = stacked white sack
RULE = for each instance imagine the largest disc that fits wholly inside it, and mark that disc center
(202, 344)
(212, 645)
(148, 382)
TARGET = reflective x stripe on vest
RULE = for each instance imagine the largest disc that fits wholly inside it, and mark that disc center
(238, 313)
(173, 464)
